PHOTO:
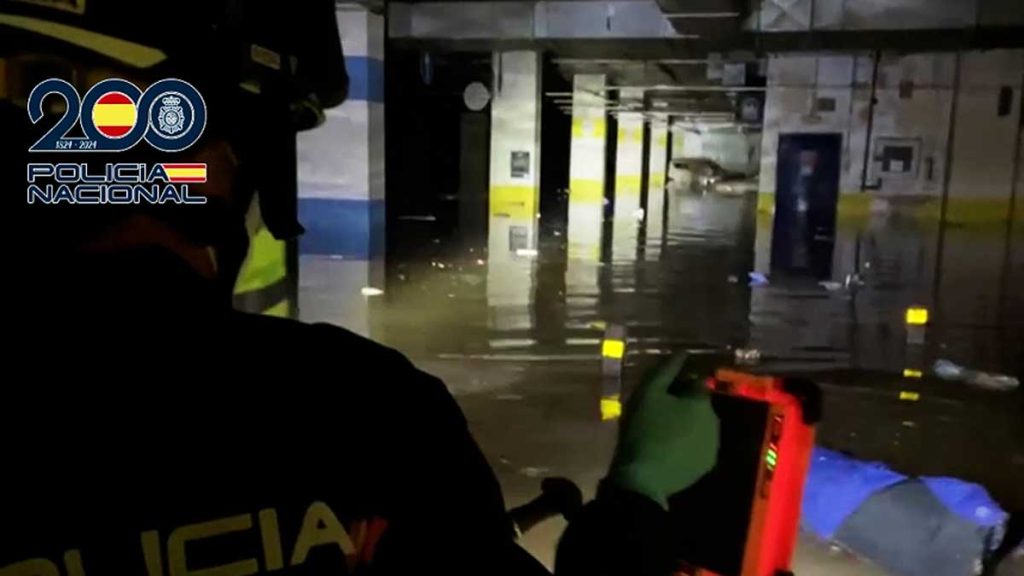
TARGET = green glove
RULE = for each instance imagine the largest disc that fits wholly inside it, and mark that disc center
(666, 441)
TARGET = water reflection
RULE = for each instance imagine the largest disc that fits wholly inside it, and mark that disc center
(689, 285)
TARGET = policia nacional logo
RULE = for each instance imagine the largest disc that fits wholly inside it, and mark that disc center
(115, 116)
(171, 116)
(268, 551)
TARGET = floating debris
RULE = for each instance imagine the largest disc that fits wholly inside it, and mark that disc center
(955, 373)
(534, 471)
(757, 279)
(509, 397)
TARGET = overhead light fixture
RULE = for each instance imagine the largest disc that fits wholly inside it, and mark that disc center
(703, 88)
(700, 15)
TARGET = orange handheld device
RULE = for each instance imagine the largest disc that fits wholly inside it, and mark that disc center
(741, 519)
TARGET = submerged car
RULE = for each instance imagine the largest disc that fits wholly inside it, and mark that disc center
(704, 175)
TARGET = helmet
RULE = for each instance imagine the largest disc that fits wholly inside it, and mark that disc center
(266, 69)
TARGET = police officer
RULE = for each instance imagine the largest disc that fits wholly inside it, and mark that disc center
(146, 426)
(149, 428)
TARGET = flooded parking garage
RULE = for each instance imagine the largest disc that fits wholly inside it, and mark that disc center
(528, 375)
(786, 201)
(712, 287)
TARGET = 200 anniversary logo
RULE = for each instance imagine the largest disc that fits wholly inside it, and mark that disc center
(115, 116)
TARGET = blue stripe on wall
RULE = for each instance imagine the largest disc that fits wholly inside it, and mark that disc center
(366, 78)
(350, 228)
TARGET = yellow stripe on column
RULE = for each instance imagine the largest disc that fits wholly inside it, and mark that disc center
(583, 128)
(590, 252)
(631, 134)
(577, 127)
(628, 183)
(517, 202)
(586, 191)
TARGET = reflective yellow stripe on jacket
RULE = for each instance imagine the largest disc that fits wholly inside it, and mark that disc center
(262, 285)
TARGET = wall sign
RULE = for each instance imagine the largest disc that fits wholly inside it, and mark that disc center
(896, 161)
(520, 164)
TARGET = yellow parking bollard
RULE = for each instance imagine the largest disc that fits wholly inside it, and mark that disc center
(613, 353)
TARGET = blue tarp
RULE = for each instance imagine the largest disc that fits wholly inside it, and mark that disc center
(968, 501)
(836, 486)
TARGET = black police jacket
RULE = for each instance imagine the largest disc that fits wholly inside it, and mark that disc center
(146, 431)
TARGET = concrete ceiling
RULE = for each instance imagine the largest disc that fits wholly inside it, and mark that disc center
(672, 64)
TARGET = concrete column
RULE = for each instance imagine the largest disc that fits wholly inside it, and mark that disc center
(514, 187)
(628, 174)
(341, 187)
(679, 141)
(588, 156)
(587, 167)
(657, 168)
(629, 167)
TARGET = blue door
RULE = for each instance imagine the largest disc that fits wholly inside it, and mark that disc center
(806, 192)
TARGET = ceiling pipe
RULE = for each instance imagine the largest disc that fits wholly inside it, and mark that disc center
(701, 15)
(666, 88)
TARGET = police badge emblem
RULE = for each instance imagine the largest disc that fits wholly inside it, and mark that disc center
(171, 116)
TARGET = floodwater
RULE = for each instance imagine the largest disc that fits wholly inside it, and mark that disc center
(688, 286)
(519, 343)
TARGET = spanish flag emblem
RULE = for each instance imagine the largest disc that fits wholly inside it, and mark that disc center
(185, 173)
(114, 114)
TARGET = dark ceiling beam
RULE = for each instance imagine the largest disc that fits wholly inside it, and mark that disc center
(701, 6)
(632, 72)
(705, 16)
(940, 40)
(983, 38)
(374, 6)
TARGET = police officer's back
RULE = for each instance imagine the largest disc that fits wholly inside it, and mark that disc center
(147, 427)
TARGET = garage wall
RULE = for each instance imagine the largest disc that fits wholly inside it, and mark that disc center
(910, 135)
(798, 88)
(985, 142)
